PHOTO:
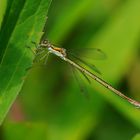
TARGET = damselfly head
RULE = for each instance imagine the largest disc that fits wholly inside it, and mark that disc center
(45, 44)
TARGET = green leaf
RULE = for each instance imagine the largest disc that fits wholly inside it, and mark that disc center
(3, 4)
(137, 137)
(24, 131)
(23, 23)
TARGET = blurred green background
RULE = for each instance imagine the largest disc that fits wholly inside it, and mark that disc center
(51, 106)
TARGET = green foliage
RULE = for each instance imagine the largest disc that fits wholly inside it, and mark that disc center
(52, 96)
(79, 10)
(24, 131)
(2, 10)
(137, 137)
(23, 22)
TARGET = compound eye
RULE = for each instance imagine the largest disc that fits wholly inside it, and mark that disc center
(45, 41)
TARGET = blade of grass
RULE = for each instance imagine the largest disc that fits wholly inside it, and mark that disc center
(3, 4)
(28, 21)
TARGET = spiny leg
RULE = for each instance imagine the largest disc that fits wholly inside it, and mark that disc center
(45, 62)
(44, 57)
(39, 53)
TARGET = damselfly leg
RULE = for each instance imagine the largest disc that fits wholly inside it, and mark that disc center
(45, 58)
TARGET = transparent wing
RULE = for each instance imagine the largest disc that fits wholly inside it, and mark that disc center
(91, 66)
(80, 81)
(89, 53)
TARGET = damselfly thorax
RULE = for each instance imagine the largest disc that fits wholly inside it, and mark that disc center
(61, 52)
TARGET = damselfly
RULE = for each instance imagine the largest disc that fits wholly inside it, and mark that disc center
(45, 48)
